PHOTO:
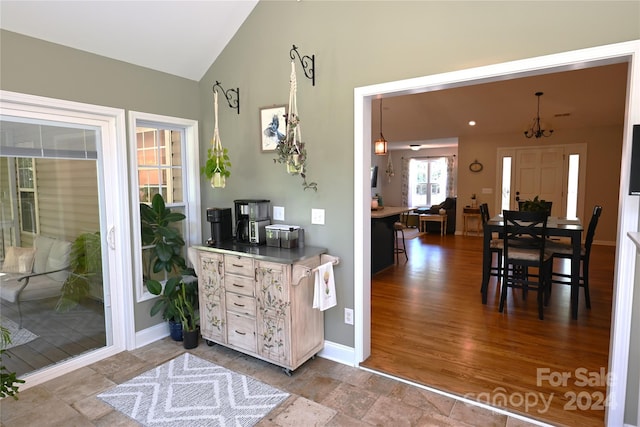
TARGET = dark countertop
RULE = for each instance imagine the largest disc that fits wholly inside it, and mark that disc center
(265, 253)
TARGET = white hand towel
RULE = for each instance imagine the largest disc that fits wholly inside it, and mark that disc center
(324, 292)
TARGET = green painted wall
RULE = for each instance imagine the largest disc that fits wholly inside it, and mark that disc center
(356, 44)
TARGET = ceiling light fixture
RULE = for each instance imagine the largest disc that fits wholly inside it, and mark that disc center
(380, 145)
(414, 147)
(536, 129)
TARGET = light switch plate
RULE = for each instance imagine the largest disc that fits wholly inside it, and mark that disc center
(317, 216)
(278, 213)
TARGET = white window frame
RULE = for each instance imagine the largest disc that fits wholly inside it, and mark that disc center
(191, 186)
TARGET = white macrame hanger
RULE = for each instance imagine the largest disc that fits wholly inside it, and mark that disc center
(216, 143)
(293, 106)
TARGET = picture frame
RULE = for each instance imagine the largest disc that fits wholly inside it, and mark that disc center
(273, 126)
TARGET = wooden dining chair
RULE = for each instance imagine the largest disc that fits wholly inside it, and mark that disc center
(565, 251)
(524, 240)
(495, 245)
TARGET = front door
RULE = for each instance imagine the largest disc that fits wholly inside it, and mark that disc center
(540, 172)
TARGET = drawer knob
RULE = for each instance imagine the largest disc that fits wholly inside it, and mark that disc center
(238, 305)
(240, 333)
(237, 286)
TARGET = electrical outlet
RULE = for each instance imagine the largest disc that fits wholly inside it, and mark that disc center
(278, 213)
(317, 216)
(348, 316)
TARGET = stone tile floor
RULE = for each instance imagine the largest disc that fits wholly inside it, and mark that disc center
(323, 393)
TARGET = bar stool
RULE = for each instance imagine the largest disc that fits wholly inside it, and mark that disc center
(398, 230)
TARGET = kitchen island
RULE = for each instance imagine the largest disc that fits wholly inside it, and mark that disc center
(382, 235)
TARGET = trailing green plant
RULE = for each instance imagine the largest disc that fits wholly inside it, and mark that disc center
(293, 153)
(85, 267)
(8, 380)
(158, 232)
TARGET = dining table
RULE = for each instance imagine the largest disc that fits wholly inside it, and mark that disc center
(556, 227)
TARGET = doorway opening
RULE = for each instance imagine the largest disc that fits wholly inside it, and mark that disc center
(627, 216)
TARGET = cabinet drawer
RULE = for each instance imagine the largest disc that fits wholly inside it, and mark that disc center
(241, 304)
(240, 284)
(241, 331)
(240, 265)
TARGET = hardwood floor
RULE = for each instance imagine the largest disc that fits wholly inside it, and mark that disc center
(430, 326)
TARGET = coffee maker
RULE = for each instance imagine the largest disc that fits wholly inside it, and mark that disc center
(220, 219)
(252, 216)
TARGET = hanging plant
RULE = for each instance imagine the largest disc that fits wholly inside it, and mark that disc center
(217, 167)
(291, 150)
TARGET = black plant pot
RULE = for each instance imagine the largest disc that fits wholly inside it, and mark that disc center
(175, 330)
(190, 338)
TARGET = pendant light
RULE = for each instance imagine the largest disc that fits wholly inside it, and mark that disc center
(380, 145)
(536, 128)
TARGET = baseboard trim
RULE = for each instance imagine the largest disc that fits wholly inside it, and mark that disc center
(339, 353)
(152, 334)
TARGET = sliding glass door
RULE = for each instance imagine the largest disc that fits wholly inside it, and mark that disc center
(58, 248)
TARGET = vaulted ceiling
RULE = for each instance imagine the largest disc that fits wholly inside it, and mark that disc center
(184, 38)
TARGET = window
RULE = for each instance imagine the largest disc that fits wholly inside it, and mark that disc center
(165, 158)
(427, 181)
(25, 169)
(506, 184)
(572, 186)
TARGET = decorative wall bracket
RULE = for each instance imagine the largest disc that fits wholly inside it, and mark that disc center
(308, 64)
(232, 95)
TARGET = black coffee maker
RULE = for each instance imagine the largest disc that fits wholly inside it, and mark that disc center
(220, 219)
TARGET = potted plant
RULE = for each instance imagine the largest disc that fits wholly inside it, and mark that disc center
(535, 205)
(216, 169)
(161, 237)
(293, 153)
(163, 243)
(85, 271)
(185, 306)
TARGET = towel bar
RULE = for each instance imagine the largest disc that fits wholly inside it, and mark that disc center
(300, 271)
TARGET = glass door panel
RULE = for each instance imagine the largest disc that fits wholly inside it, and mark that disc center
(51, 208)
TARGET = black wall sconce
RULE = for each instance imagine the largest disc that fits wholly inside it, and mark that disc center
(308, 64)
(234, 102)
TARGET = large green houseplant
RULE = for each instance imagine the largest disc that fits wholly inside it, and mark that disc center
(85, 265)
(162, 237)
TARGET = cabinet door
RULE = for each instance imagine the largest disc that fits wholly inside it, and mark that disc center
(274, 317)
(211, 297)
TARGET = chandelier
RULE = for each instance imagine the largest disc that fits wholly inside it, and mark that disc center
(380, 145)
(536, 129)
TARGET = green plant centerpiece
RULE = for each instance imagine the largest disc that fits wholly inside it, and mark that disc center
(535, 205)
(217, 167)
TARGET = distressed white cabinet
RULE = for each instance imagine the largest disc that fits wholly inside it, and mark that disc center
(259, 305)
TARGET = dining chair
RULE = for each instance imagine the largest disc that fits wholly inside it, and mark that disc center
(524, 239)
(565, 251)
(495, 245)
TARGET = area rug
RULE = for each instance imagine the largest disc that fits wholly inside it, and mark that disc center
(18, 336)
(191, 391)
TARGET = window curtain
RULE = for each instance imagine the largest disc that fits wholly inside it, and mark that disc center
(451, 189)
(405, 181)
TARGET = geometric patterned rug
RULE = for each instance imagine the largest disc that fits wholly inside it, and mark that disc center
(18, 336)
(189, 391)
